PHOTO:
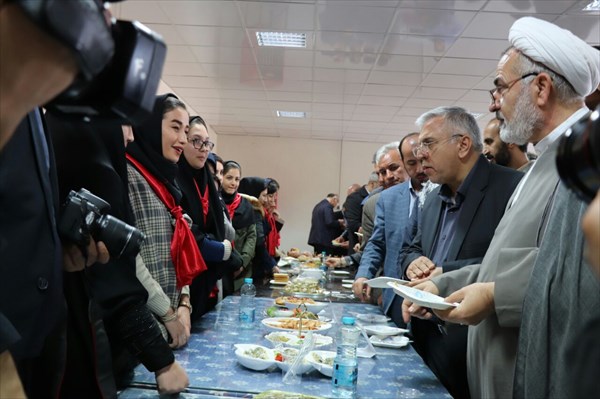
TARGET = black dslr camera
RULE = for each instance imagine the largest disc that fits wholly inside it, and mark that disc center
(84, 214)
(578, 157)
(120, 62)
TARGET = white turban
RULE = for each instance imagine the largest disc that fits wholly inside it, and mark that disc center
(560, 50)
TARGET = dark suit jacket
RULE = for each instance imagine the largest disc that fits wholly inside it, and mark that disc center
(31, 298)
(324, 225)
(482, 209)
(353, 215)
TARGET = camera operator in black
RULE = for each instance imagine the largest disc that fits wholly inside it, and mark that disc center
(36, 66)
(107, 303)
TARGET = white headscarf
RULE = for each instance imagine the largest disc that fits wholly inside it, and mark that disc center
(560, 50)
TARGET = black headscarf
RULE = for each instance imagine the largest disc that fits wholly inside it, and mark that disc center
(215, 224)
(252, 186)
(147, 148)
(243, 215)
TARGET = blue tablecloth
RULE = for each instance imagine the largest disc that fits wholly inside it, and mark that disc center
(212, 366)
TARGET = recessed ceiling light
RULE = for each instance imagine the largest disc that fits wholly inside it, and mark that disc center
(291, 114)
(281, 39)
(593, 6)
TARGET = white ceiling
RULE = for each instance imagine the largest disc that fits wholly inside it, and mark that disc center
(369, 69)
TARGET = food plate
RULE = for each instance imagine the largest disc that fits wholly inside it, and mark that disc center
(390, 342)
(254, 357)
(283, 263)
(292, 324)
(382, 282)
(283, 283)
(384, 331)
(292, 339)
(372, 318)
(340, 272)
(289, 356)
(348, 281)
(322, 361)
(349, 286)
(421, 298)
(314, 307)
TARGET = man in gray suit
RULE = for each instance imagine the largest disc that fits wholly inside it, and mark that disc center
(456, 225)
(392, 217)
(539, 88)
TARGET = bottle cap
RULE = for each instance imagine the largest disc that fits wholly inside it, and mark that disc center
(248, 280)
(348, 321)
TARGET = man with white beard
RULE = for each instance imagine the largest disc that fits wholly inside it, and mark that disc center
(540, 84)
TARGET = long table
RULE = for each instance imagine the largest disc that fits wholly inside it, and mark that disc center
(214, 371)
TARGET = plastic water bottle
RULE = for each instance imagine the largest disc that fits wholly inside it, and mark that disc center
(247, 306)
(345, 365)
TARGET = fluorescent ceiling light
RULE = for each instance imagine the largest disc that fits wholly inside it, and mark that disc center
(291, 114)
(593, 6)
(281, 39)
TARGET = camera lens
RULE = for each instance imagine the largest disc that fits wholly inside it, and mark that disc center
(578, 158)
(120, 238)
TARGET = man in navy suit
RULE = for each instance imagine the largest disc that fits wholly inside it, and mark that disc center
(392, 215)
(325, 227)
(456, 226)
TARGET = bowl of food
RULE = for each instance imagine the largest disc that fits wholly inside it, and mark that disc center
(297, 340)
(322, 361)
(254, 357)
(286, 357)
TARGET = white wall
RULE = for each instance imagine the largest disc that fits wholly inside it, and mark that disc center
(306, 170)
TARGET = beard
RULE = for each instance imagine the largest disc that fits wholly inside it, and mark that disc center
(524, 122)
(502, 157)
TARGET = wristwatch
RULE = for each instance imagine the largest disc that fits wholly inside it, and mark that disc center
(187, 305)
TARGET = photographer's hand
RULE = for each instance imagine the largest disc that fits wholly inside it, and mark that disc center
(171, 379)
(75, 261)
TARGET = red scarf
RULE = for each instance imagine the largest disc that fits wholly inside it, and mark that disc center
(204, 200)
(234, 205)
(184, 250)
(273, 237)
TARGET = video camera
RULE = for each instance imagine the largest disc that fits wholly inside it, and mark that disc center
(578, 157)
(84, 214)
(120, 62)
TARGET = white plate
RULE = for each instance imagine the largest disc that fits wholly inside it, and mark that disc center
(349, 286)
(323, 368)
(274, 322)
(348, 281)
(252, 362)
(292, 339)
(278, 282)
(390, 342)
(340, 272)
(421, 298)
(282, 263)
(382, 282)
(384, 331)
(303, 367)
(372, 318)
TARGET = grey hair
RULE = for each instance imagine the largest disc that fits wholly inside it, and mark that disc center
(455, 118)
(373, 177)
(565, 93)
(384, 149)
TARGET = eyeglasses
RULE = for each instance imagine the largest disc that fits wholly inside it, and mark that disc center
(503, 89)
(425, 146)
(199, 144)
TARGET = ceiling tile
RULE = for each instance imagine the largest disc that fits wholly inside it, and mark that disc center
(530, 6)
(183, 69)
(149, 12)
(488, 49)
(381, 100)
(587, 27)
(464, 66)
(396, 78)
(472, 5)
(388, 90)
(404, 63)
(212, 13)
(450, 81)
(431, 22)
(278, 16)
(349, 17)
(212, 35)
(417, 45)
